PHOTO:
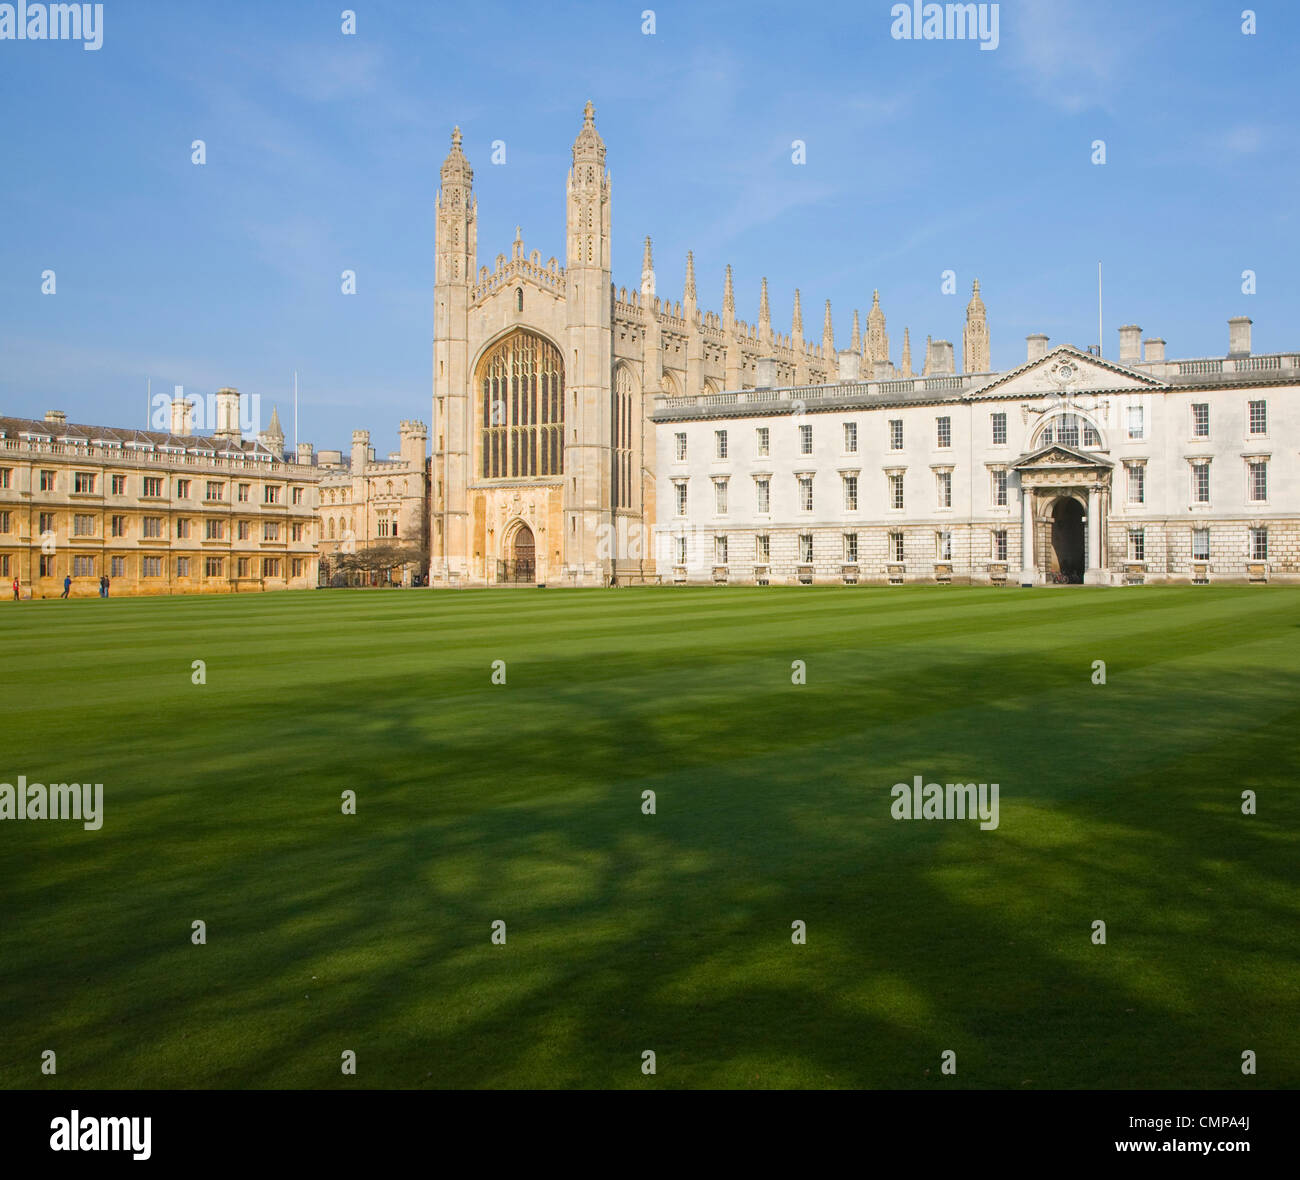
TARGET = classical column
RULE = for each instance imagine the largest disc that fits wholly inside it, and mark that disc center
(1094, 576)
(1026, 535)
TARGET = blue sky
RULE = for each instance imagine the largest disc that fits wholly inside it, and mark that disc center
(922, 156)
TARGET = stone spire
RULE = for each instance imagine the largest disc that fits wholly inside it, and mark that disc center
(764, 316)
(855, 341)
(689, 294)
(907, 354)
(929, 349)
(589, 148)
(877, 339)
(828, 336)
(455, 168)
(796, 322)
(647, 275)
(975, 336)
(729, 295)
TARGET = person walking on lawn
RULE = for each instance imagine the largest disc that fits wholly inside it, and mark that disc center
(67, 585)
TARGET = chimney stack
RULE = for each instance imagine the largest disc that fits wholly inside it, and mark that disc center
(850, 365)
(1239, 336)
(304, 454)
(765, 373)
(1130, 345)
(1036, 347)
(56, 417)
(1155, 351)
(360, 450)
(182, 415)
(228, 415)
(939, 359)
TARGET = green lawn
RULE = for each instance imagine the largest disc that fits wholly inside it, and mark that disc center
(671, 932)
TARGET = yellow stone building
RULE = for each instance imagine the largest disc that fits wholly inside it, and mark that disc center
(157, 512)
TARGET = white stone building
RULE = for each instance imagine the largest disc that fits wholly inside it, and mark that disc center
(1068, 468)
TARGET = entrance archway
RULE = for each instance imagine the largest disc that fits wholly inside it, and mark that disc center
(1067, 557)
(520, 562)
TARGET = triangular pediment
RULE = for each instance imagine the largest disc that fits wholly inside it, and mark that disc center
(1057, 458)
(1066, 371)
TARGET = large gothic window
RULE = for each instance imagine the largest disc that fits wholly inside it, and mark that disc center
(521, 383)
(621, 419)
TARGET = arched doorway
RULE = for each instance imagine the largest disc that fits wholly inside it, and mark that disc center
(1066, 560)
(520, 561)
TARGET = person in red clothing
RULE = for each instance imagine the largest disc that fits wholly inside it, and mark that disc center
(15, 589)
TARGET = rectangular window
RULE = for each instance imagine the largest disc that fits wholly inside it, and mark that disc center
(896, 490)
(242, 567)
(151, 567)
(212, 567)
(117, 567)
(1258, 479)
(183, 489)
(943, 432)
(6, 477)
(762, 548)
(720, 444)
(183, 529)
(945, 489)
(720, 497)
(720, 550)
(119, 485)
(805, 440)
(118, 525)
(4, 565)
(245, 530)
(851, 548)
(83, 525)
(1201, 420)
(244, 489)
(83, 567)
(4, 522)
(805, 548)
(1137, 545)
(295, 532)
(943, 546)
(999, 429)
(297, 495)
(764, 442)
(850, 438)
(850, 493)
(45, 522)
(47, 480)
(214, 530)
(1259, 544)
(47, 565)
(1000, 487)
(216, 490)
(896, 546)
(271, 494)
(764, 490)
(1136, 424)
(1137, 483)
(83, 482)
(680, 546)
(270, 567)
(999, 545)
(152, 526)
(153, 485)
(298, 565)
(1200, 544)
(1258, 417)
(805, 493)
(896, 434)
(679, 489)
(270, 530)
(1201, 483)
(182, 567)
(680, 439)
